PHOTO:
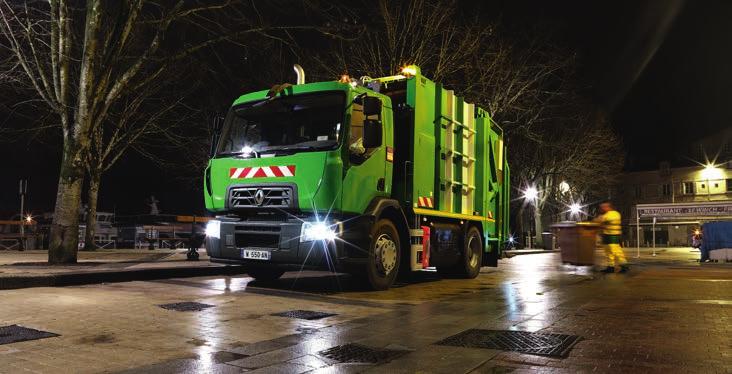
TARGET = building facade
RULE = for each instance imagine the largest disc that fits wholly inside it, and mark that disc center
(690, 184)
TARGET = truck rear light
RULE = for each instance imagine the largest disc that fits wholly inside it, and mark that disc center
(425, 247)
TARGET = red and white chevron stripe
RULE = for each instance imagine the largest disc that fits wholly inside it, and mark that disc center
(425, 202)
(262, 172)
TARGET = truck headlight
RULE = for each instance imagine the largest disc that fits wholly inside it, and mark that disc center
(213, 229)
(317, 231)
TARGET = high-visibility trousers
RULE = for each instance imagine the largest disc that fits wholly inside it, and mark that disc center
(615, 255)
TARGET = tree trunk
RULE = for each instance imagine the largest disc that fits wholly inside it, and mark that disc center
(520, 225)
(91, 214)
(64, 235)
(538, 226)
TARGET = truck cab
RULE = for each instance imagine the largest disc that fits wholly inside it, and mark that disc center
(322, 176)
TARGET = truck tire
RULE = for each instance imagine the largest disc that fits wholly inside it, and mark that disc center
(472, 259)
(265, 274)
(384, 255)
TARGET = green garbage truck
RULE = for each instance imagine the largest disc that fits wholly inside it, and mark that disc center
(373, 176)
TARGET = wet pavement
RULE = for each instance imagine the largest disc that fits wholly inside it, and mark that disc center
(35, 262)
(669, 314)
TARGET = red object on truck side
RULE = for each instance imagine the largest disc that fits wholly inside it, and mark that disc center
(425, 247)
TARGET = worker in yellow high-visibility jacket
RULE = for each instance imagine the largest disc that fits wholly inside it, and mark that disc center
(611, 233)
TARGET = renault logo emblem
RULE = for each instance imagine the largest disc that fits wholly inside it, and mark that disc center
(259, 197)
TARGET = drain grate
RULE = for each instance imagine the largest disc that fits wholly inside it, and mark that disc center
(520, 341)
(186, 306)
(15, 333)
(362, 354)
(303, 314)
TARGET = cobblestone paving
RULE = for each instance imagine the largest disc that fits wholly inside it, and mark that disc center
(669, 314)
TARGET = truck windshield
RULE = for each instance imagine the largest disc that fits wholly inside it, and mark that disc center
(304, 122)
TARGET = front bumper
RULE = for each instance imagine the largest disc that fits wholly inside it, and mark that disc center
(282, 240)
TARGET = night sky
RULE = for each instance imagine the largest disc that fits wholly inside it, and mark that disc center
(664, 86)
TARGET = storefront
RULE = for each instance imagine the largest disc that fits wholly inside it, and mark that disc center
(673, 224)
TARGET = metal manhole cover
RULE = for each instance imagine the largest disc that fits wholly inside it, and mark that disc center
(186, 306)
(520, 341)
(303, 314)
(362, 354)
(15, 333)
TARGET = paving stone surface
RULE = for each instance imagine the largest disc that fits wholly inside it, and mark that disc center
(670, 314)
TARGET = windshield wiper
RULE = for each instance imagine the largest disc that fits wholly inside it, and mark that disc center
(234, 153)
(296, 147)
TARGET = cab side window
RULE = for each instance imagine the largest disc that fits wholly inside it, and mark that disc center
(356, 134)
(356, 149)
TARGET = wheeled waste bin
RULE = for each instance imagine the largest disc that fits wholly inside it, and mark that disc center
(547, 239)
(577, 241)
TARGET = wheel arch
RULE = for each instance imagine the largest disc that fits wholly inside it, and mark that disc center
(382, 207)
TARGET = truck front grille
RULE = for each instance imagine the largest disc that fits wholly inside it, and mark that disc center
(257, 240)
(261, 196)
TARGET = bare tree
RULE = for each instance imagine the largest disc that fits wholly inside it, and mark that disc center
(526, 80)
(582, 151)
(134, 122)
(395, 34)
(82, 58)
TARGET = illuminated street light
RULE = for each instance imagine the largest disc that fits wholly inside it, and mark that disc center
(711, 172)
(575, 208)
(29, 218)
(531, 194)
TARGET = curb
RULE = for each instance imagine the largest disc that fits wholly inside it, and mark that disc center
(530, 252)
(114, 276)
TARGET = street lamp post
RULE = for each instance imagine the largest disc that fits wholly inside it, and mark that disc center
(530, 195)
(22, 190)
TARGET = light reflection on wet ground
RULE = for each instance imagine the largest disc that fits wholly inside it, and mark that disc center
(626, 321)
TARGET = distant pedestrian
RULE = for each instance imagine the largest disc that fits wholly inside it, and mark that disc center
(611, 232)
(696, 239)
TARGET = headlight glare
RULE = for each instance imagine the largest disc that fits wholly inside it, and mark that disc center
(213, 229)
(317, 231)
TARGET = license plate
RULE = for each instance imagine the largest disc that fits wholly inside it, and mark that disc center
(253, 254)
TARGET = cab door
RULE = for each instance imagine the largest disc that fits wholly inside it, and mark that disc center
(368, 170)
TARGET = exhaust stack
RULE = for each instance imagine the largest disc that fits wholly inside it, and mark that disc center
(300, 74)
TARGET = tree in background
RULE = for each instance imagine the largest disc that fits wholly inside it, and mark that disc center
(527, 81)
(84, 59)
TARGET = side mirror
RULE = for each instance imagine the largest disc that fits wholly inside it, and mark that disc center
(371, 133)
(371, 106)
(218, 123)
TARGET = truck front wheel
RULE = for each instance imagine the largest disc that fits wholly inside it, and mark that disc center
(384, 255)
